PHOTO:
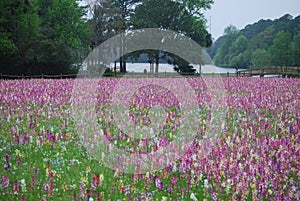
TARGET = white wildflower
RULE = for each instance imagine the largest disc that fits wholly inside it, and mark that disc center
(205, 183)
(193, 197)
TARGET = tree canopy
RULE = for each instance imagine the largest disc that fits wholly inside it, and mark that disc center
(180, 16)
(54, 36)
(42, 36)
(264, 43)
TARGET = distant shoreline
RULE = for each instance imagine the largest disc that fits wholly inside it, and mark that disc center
(165, 67)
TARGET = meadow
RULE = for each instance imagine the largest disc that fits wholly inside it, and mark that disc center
(255, 156)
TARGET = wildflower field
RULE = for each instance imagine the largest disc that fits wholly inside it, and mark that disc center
(256, 155)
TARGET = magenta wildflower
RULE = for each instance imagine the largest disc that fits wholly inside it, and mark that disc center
(7, 166)
(74, 197)
(5, 182)
(32, 181)
(46, 186)
(16, 188)
(35, 172)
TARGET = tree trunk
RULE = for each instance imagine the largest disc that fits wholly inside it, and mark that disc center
(124, 65)
(121, 64)
(157, 63)
(115, 68)
(151, 61)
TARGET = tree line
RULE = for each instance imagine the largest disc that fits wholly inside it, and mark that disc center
(42, 36)
(265, 43)
(54, 36)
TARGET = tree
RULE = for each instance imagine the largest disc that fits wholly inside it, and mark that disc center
(106, 22)
(236, 51)
(111, 17)
(19, 32)
(7, 46)
(126, 9)
(261, 58)
(262, 40)
(296, 50)
(282, 24)
(180, 65)
(65, 33)
(260, 35)
(222, 57)
(273, 36)
(237, 61)
(240, 45)
(255, 29)
(281, 49)
(196, 7)
(177, 16)
(247, 55)
(145, 16)
(42, 36)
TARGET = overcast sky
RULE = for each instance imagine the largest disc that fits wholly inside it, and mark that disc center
(243, 12)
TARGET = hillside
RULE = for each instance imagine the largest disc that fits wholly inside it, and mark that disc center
(262, 44)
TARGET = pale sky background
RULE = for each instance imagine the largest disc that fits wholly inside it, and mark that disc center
(240, 13)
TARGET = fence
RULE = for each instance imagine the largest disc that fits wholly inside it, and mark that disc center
(261, 72)
(130, 74)
(61, 76)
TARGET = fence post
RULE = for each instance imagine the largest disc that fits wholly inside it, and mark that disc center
(227, 74)
(42, 75)
(61, 76)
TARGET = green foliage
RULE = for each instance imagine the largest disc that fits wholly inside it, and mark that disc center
(234, 49)
(296, 50)
(159, 14)
(236, 52)
(261, 58)
(65, 32)
(231, 30)
(51, 36)
(7, 47)
(19, 27)
(111, 17)
(281, 49)
(126, 6)
(180, 16)
(195, 7)
(106, 22)
(222, 57)
(255, 29)
(180, 65)
(278, 38)
(239, 45)
(41, 36)
(237, 61)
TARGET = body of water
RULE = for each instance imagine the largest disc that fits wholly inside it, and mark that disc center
(139, 67)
